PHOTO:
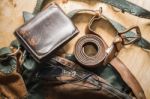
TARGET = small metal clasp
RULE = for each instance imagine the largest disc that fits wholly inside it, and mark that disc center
(130, 39)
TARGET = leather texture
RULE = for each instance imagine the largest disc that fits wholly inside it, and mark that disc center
(28, 66)
(92, 60)
(111, 53)
(141, 42)
(105, 53)
(128, 78)
(79, 95)
(110, 56)
(12, 85)
(46, 32)
(67, 80)
(114, 48)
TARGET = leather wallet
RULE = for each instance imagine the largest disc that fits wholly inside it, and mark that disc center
(47, 31)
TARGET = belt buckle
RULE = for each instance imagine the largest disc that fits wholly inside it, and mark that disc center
(130, 39)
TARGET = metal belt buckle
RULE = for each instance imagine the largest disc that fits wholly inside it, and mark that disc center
(126, 36)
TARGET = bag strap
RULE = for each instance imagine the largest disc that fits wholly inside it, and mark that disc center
(128, 78)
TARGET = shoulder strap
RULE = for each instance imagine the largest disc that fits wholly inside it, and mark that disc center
(128, 78)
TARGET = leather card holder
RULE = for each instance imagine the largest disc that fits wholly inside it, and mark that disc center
(46, 32)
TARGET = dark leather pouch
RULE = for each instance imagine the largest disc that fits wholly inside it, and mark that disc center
(47, 31)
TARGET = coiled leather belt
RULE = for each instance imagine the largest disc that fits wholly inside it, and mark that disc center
(82, 57)
(104, 53)
(107, 54)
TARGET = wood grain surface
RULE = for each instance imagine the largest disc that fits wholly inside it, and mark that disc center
(137, 59)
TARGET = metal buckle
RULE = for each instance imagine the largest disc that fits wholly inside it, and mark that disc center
(130, 39)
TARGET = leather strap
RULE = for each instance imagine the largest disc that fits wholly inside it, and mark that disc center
(116, 63)
(81, 75)
(92, 12)
(128, 35)
(136, 37)
(112, 50)
(63, 61)
(128, 78)
(106, 53)
(83, 58)
(124, 72)
(129, 7)
(138, 93)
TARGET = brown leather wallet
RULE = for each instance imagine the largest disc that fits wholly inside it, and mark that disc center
(46, 32)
